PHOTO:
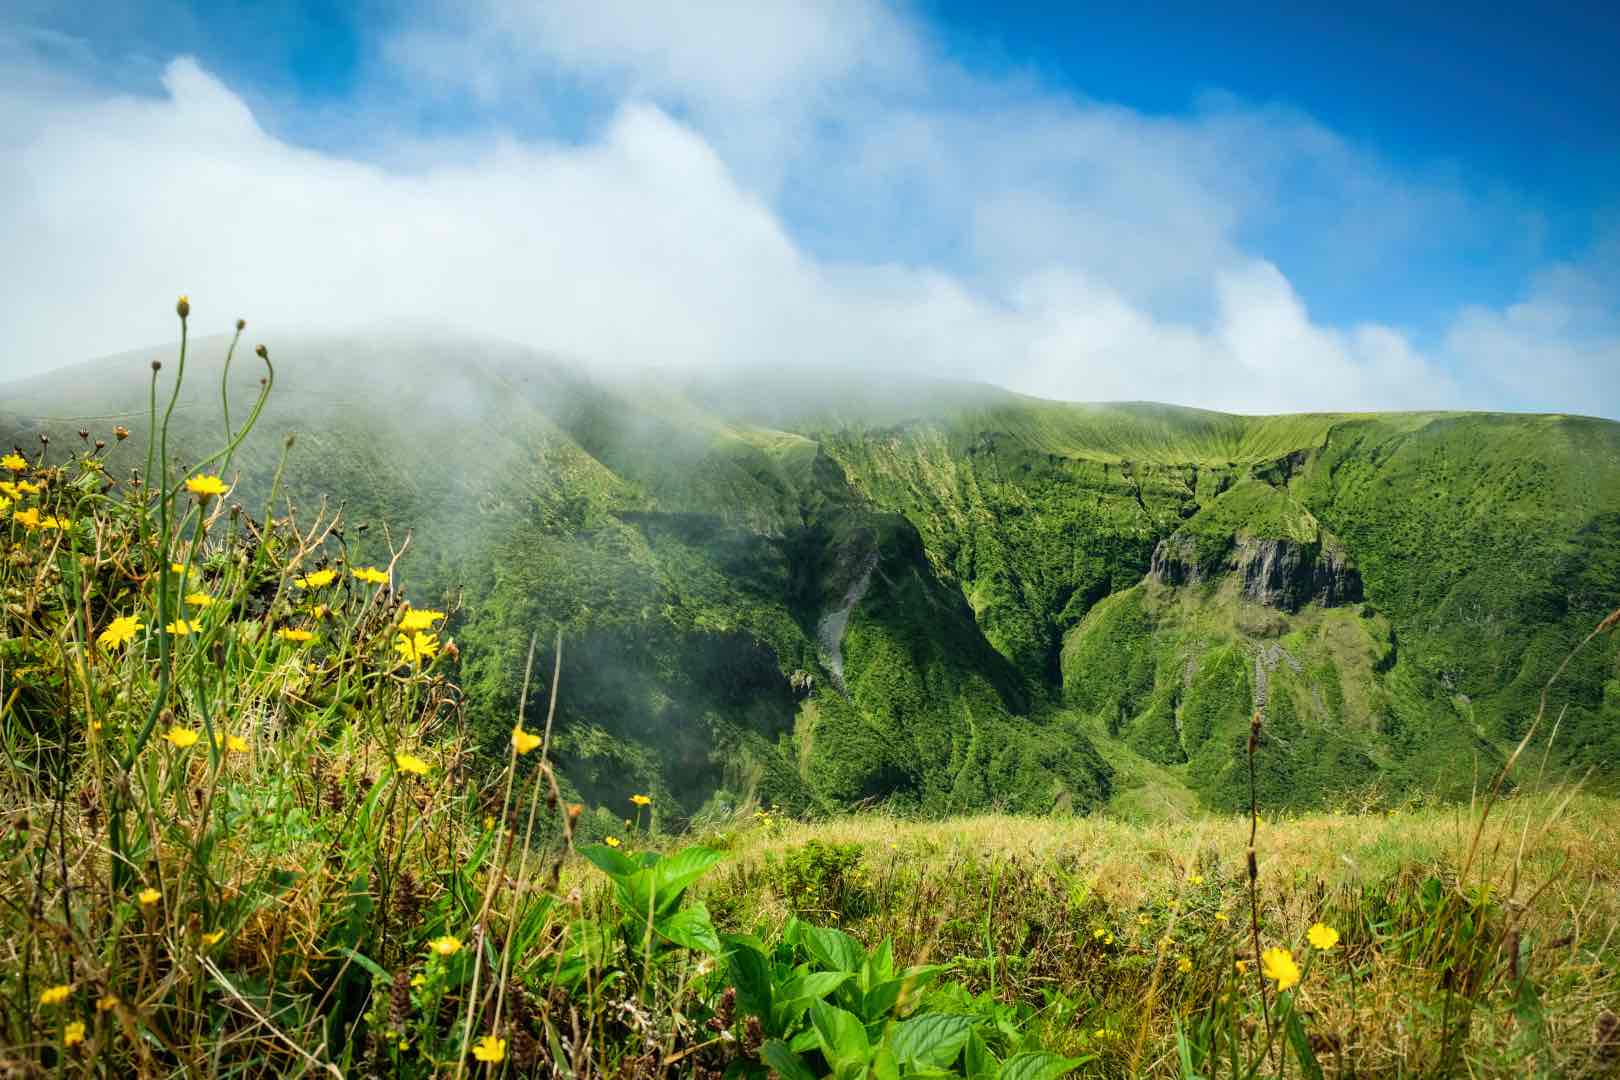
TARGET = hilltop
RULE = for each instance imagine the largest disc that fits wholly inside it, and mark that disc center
(824, 591)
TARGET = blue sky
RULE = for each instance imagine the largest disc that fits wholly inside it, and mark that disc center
(1267, 208)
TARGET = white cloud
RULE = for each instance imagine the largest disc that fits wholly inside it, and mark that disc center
(1089, 252)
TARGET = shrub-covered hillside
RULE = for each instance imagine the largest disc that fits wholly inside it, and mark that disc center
(823, 592)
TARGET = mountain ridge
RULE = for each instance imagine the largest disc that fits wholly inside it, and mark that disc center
(691, 536)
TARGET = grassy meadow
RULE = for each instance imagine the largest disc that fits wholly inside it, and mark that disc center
(248, 831)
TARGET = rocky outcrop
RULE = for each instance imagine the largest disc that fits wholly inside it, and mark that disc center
(1283, 574)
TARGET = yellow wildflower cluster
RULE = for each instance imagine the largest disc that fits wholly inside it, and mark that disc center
(417, 648)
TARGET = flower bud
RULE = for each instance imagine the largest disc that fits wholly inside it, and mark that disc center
(241, 324)
(182, 307)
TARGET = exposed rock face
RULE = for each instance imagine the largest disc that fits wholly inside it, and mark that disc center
(1285, 574)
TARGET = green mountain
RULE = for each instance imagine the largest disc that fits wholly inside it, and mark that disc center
(830, 590)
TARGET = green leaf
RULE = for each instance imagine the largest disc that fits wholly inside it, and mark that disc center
(671, 876)
(788, 1064)
(367, 963)
(1037, 1065)
(932, 1040)
(977, 1059)
(816, 984)
(842, 1035)
(611, 862)
(751, 975)
(1302, 1048)
(834, 949)
(691, 928)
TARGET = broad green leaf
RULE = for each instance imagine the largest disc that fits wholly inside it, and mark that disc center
(842, 1035)
(977, 1059)
(615, 864)
(881, 999)
(932, 1040)
(885, 1066)
(787, 1064)
(835, 950)
(672, 875)
(1037, 1065)
(691, 928)
(816, 984)
(751, 975)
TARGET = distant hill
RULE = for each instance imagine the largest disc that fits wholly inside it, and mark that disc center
(830, 589)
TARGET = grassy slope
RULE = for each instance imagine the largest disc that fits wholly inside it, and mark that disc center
(1086, 919)
(690, 539)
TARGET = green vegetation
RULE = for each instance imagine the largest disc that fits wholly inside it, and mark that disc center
(264, 817)
(823, 593)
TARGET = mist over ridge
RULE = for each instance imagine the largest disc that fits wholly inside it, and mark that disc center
(822, 587)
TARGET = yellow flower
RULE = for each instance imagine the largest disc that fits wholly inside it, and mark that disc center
(641, 800)
(29, 487)
(1098, 932)
(213, 938)
(180, 737)
(371, 575)
(206, 487)
(55, 995)
(612, 841)
(1184, 965)
(1322, 937)
(199, 599)
(414, 619)
(106, 1002)
(415, 648)
(177, 568)
(298, 637)
(320, 579)
(1242, 967)
(10, 490)
(1195, 879)
(51, 521)
(411, 763)
(14, 462)
(445, 946)
(73, 1034)
(180, 627)
(490, 1049)
(418, 980)
(119, 632)
(1220, 916)
(524, 741)
(321, 611)
(5, 503)
(232, 743)
(28, 518)
(1279, 964)
(149, 896)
